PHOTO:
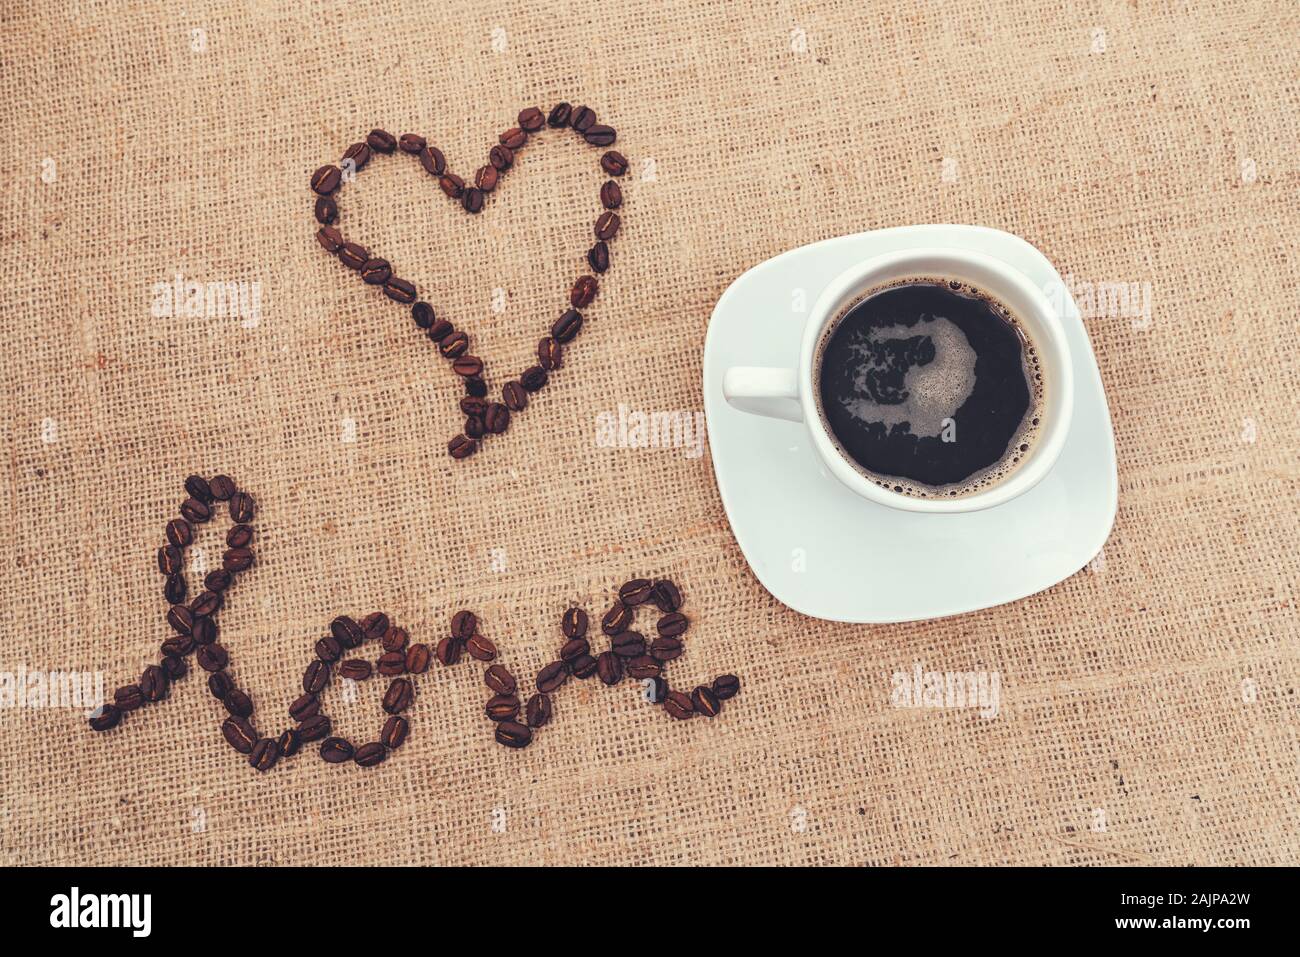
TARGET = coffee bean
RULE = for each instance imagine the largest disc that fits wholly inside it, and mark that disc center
(611, 197)
(330, 239)
(241, 508)
(237, 559)
(326, 210)
(353, 255)
(486, 178)
(417, 658)
(467, 365)
(348, 633)
(497, 418)
(454, 345)
(128, 697)
(533, 378)
(316, 677)
(501, 158)
(472, 200)
(480, 648)
(217, 580)
(583, 119)
(239, 536)
(411, 143)
(679, 705)
(358, 669)
(475, 386)
(598, 135)
(617, 619)
(635, 592)
(423, 315)
(395, 639)
(531, 119)
(289, 743)
(549, 354)
(239, 733)
(336, 750)
(395, 730)
(196, 486)
(220, 684)
(392, 663)
(375, 272)
(461, 447)
(607, 226)
(614, 163)
(440, 330)
(552, 676)
(609, 668)
(382, 141)
(314, 728)
(178, 532)
(181, 619)
(206, 604)
(666, 596)
(204, 631)
(359, 154)
(598, 257)
(644, 667)
(574, 648)
(559, 115)
(584, 666)
(238, 703)
(452, 185)
(574, 623)
(194, 511)
(174, 667)
(463, 624)
(502, 707)
(329, 649)
(374, 626)
(672, 624)
(107, 716)
(665, 649)
(705, 701)
(499, 679)
(304, 707)
(264, 755)
(513, 139)
(326, 179)
(368, 755)
(583, 292)
(538, 710)
(170, 560)
(434, 163)
(726, 686)
(629, 644)
(475, 427)
(154, 683)
(178, 645)
(656, 690)
(174, 590)
(399, 696)
(515, 396)
(513, 735)
(400, 290)
(212, 657)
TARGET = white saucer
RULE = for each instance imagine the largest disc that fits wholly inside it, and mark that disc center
(826, 552)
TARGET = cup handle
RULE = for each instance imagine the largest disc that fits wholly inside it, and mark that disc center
(759, 391)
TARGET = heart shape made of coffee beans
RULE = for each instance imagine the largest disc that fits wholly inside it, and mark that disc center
(483, 416)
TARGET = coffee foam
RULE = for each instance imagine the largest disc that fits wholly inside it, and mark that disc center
(937, 389)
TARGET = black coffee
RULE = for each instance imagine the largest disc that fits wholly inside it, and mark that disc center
(930, 387)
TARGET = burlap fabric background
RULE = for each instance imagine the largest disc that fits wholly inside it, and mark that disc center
(1148, 705)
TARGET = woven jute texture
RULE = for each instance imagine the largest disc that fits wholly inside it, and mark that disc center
(1148, 703)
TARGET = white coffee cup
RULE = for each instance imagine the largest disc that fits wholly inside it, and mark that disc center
(790, 393)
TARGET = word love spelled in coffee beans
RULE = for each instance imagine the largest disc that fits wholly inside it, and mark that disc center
(483, 416)
(399, 660)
